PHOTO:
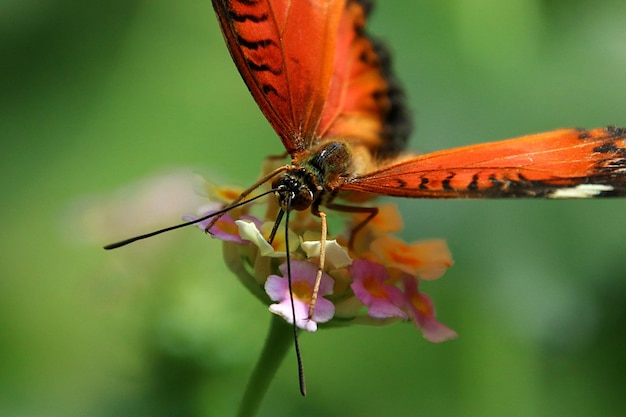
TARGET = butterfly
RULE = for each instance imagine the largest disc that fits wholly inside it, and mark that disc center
(327, 88)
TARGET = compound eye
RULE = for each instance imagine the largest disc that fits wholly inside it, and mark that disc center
(290, 188)
(302, 199)
(278, 182)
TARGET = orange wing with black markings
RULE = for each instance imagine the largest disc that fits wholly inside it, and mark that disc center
(326, 87)
(567, 163)
(364, 105)
(314, 73)
(284, 51)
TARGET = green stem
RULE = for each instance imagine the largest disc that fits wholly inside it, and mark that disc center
(277, 344)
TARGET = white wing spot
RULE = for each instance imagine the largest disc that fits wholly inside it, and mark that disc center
(581, 191)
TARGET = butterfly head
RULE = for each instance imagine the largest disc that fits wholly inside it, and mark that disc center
(296, 189)
(306, 182)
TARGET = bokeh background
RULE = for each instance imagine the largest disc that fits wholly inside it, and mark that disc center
(108, 109)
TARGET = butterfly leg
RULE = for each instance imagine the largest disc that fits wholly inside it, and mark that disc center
(371, 213)
(320, 266)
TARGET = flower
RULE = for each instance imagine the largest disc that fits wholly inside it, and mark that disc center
(374, 281)
(223, 194)
(258, 233)
(383, 300)
(336, 255)
(422, 311)
(426, 259)
(225, 228)
(303, 276)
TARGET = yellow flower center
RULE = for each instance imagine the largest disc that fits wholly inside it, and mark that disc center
(422, 307)
(227, 227)
(302, 290)
(374, 287)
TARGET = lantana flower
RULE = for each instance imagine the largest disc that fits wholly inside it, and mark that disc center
(426, 260)
(374, 281)
(422, 311)
(303, 276)
(371, 285)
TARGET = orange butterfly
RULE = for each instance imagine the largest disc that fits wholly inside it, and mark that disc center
(327, 89)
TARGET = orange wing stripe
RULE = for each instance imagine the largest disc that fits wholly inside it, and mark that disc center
(529, 166)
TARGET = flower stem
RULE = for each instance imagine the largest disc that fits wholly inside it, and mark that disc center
(277, 344)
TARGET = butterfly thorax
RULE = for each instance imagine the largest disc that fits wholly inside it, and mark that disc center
(314, 177)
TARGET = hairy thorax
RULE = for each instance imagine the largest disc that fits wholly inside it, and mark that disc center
(317, 174)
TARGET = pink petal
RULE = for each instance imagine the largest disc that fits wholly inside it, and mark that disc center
(278, 290)
(382, 300)
(422, 311)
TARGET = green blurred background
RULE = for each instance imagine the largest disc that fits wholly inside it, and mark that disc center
(108, 108)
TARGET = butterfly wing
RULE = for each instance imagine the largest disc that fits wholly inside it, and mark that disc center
(284, 51)
(567, 163)
(365, 105)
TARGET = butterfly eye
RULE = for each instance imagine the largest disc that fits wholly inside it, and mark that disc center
(292, 193)
(303, 199)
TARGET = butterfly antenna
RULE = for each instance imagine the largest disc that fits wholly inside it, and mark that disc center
(178, 226)
(293, 307)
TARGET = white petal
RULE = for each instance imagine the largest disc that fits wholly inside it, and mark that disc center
(336, 255)
(249, 231)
